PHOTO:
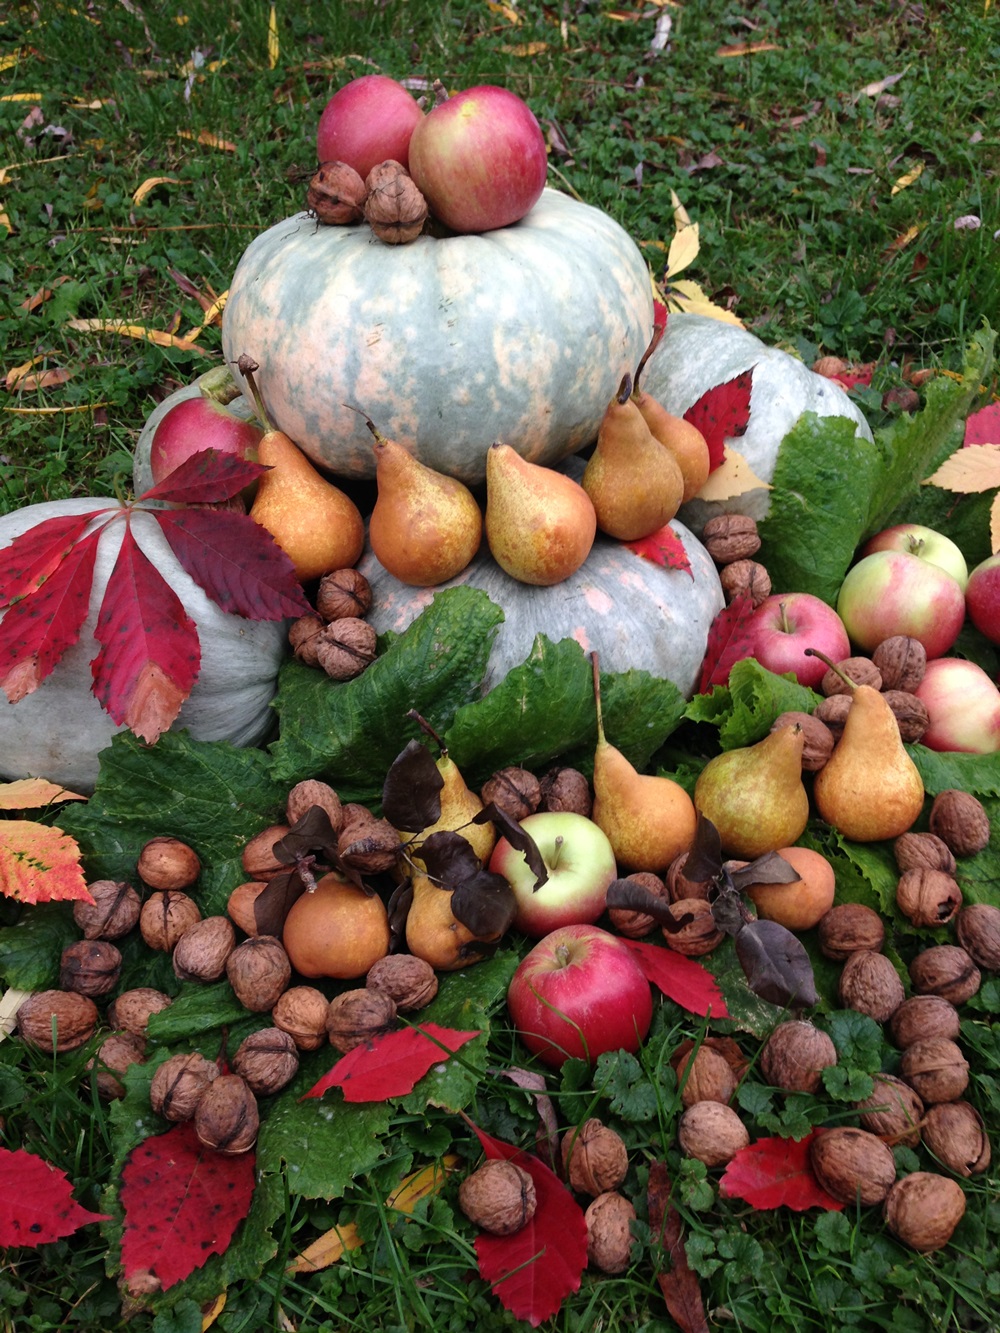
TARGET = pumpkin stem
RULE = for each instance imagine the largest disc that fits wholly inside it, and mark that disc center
(246, 365)
(654, 342)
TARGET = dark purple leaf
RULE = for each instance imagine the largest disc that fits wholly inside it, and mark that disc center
(411, 793)
(627, 894)
(486, 904)
(449, 858)
(776, 964)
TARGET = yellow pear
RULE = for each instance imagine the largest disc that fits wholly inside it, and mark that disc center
(685, 441)
(634, 483)
(458, 806)
(434, 934)
(754, 795)
(425, 527)
(540, 524)
(648, 820)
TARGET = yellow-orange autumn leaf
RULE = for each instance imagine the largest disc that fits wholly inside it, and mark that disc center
(150, 184)
(156, 336)
(734, 477)
(273, 41)
(10, 1002)
(971, 469)
(683, 294)
(209, 139)
(904, 181)
(39, 864)
(33, 794)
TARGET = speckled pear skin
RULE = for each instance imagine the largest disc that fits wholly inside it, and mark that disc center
(754, 795)
(540, 524)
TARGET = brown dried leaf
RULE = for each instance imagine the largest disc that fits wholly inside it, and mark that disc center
(679, 1283)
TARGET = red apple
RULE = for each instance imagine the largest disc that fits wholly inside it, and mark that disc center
(964, 707)
(925, 544)
(890, 592)
(579, 992)
(982, 597)
(366, 122)
(786, 624)
(199, 423)
(580, 865)
(479, 159)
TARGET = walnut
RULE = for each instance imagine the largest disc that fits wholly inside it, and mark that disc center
(115, 1054)
(91, 967)
(729, 537)
(923, 851)
(704, 1075)
(862, 670)
(960, 820)
(112, 914)
(130, 1011)
(240, 905)
(367, 844)
(499, 1197)
(259, 971)
(633, 925)
(168, 863)
(395, 209)
(902, 661)
(305, 795)
(177, 1085)
(946, 970)
(819, 739)
(893, 1111)
(609, 1221)
(832, 711)
(72, 1017)
(336, 194)
(923, 1016)
(594, 1158)
(513, 790)
(928, 897)
(267, 1060)
(201, 952)
(165, 916)
(712, 1133)
(303, 637)
(346, 647)
(343, 593)
(745, 578)
(936, 1069)
(955, 1134)
(301, 1012)
(912, 717)
(701, 935)
(978, 929)
(795, 1055)
(226, 1117)
(411, 981)
(678, 884)
(566, 789)
(870, 984)
(356, 1016)
(923, 1210)
(849, 927)
(853, 1165)
(258, 858)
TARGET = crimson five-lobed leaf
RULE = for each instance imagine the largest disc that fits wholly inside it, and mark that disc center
(722, 413)
(36, 1201)
(392, 1064)
(681, 979)
(663, 547)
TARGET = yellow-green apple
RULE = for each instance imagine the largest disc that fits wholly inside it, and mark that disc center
(580, 865)
(982, 597)
(367, 121)
(890, 592)
(199, 423)
(925, 544)
(786, 624)
(963, 704)
(578, 993)
(479, 159)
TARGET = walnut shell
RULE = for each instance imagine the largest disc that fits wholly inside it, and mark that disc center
(921, 1017)
(91, 967)
(819, 739)
(258, 858)
(74, 1017)
(112, 914)
(633, 925)
(910, 712)
(862, 670)
(115, 1054)
(267, 1060)
(202, 951)
(130, 1011)
(346, 647)
(594, 1158)
(514, 790)
(746, 578)
(923, 1209)
(946, 970)
(679, 886)
(411, 981)
(795, 1055)
(305, 795)
(566, 789)
(259, 970)
(729, 537)
(923, 851)
(955, 1134)
(609, 1220)
(936, 1069)
(893, 1111)
(853, 1165)
(499, 1197)
(367, 844)
(303, 637)
(870, 984)
(978, 930)
(960, 820)
(705, 1075)
(301, 1012)
(226, 1117)
(336, 194)
(395, 209)
(701, 935)
(178, 1083)
(902, 660)
(165, 916)
(832, 711)
(928, 897)
(848, 928)
(240, 905)
(343, 592)
(356, 1016)
(168, 863)
(712, 1133)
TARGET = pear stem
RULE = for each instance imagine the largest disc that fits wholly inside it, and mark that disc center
(815, 652)
(597, 696)
(654, 342)
(368, 421)
(246, 365)
(426, 727)
(624, 390)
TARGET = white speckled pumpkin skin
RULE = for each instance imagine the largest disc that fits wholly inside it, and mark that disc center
(57, 731)
(697, 353)
(520, 334)
(635, 614)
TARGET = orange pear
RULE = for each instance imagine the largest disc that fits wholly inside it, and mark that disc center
(685, 441)
(540, 524)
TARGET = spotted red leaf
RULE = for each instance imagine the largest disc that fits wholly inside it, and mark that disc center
(207, 477)
(36, 1201)
(722, 413)
(534, 1270)
(34, 555)
(663, 547)
(391, 1065)
(728, 642)
(775, 1173)
(681, 979)
(983, 427)
(182, 1203)
(853, 376)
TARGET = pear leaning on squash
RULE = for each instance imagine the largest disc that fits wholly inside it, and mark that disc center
(647, 819)
(684, 440)
(540, 524)
(317, 526)
(754, 795)
(869, 789)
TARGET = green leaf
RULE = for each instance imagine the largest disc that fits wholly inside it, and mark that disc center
(203, 1009)
(978, 774)
(858, 1039)
(745, 709)
(326, 1142)
(30, 951)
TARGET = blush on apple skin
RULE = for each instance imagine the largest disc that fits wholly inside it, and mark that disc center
(785, 625)
(964, 707)
(367, 121)
(199, 423)
(923, 542)
(889, 592)
(982, 597)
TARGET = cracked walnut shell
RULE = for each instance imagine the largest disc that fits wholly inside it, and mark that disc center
(594, 1158)
(499, 1197)
(346, 647)
(178, 1083)
(928, 897)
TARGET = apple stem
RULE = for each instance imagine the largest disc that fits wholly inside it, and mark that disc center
(246, 365)
(557, 855)
(563, 955)
(597, 695)
(815, 652)
(786, 628)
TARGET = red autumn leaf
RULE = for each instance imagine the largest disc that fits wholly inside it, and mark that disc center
(678, 1282)
(207, 477)
(37, 629)
(36, 1201)
(772, 1173)
(40, 864)
(855, 375)
(681, 979)
(31, 558)
(663, 547)
(533, 1271)
(391, 1065)
(728, 642)
(182, 1203)
(983, 427)
(660, 314)
(722, 414)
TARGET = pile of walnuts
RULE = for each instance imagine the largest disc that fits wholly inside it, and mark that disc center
(336, 637)
(387, 199)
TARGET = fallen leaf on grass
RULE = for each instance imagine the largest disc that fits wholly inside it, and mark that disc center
(139, 331)
(906, 180)
(391, 1065)
(39, 863)
(681, 979)
(209, 139)
(746, 49)
(150, 184)
(678, 1283)
(36, 1201)
(775, 1173)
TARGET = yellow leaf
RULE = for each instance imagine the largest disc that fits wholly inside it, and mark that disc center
(132, 331)
(10, 1002)
(21, 97)
(150, 184)
(6, 223)
(681, 218)
(209, 139)
(504, 12)
(13, 58)
(734, 477)
(33, 793)
(995, 525)
(51, 411)
(211, 1311)
(908, 179)
(683, 249)
(421, 1184)
(746, 49)
(525, 49)
(213, 315)
(688, 296)
(901, 242)
(273, 44)
(973, 468)
(330, 1247)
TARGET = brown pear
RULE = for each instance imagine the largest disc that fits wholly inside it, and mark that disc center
(684, 440)
(754, 795)
(540, 524)
(634, 483)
